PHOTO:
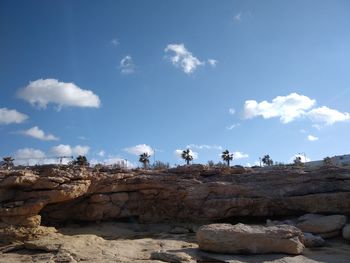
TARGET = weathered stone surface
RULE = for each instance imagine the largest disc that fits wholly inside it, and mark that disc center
(346, 232)
(111, 242)
(311, 240)
(240, 238)
(326, 226)
(187, 194)
(174, 257)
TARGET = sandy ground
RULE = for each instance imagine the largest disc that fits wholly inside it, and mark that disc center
(127, 242)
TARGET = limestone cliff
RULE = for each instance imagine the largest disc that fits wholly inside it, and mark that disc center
(194, 194)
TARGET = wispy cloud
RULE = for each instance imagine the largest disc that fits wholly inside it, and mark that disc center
(101, 153)
(114, 42)
(232, 111)
(235, 125)
(127, 65)
(204, 147)
(183, 58)
(237, 17)
(212, 62)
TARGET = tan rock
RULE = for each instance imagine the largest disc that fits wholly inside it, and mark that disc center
(322, 224)
(31, 221)
(174, 257)
(240, 238)
(99, 198)
(119, 197)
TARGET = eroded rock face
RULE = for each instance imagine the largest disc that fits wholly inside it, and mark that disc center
(62, 194)
(245, 239)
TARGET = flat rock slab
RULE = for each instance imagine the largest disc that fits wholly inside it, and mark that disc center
(246, 239)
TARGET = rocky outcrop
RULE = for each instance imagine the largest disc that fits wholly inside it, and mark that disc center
(325, 226)
(60, 194)
(245, 239)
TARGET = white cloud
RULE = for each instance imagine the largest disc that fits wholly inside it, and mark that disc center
(183, 58)
(238, 17)
(302, 156)
(80, 150)
(239, 155)
(212, 62)
(67, 150)
(127, 65)
(205, 146)
(41, 92)
(37, 133)
(140, 149)
(235, 125)
(101, 153)
(312, 138)
(114, 42)
(118, 161)
(294, 106)
(327, 116)
(11, 116)
(178, 153)
(287, 108)
(29, 156)
(232, 111)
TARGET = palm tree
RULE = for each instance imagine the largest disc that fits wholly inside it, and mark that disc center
(267, 160)
(144, 159)
(187, 156)
(8, 162)
(297, 161)
(81, 161)
(227, 157)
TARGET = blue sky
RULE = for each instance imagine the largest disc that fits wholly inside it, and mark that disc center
(111, 79)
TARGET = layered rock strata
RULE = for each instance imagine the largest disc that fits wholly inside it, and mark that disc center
(60, 194)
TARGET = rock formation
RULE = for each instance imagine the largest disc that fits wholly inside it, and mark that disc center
(61, 194)
(325, 226)
(245, 239)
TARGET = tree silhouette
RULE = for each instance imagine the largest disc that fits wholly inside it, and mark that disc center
(227, 157)
(297, 161)
(327, 162)
(8, 162)
(144, 159)
(81, 161)
(267, 160)
(187, 156)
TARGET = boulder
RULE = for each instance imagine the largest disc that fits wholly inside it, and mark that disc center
(246, 239)
(174, 257)
(346, 232)
(311, 240)
(325, 226)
